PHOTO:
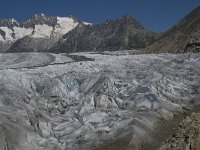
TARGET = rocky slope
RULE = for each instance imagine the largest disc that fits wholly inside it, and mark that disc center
(83, 101)
(35, 34)
(183, 37)
(187, 136)
(120, 34)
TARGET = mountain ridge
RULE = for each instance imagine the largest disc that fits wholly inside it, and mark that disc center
(38, 28)
(181, 38)
(43, 33)
(120, 34)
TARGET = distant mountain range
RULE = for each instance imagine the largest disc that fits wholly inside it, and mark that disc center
(35, 34)
(44, 33)
(68, 34)
(121, 34)
(183, 37)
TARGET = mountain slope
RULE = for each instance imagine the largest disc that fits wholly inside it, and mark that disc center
(123, 33)
(38, 29)
(183, 37)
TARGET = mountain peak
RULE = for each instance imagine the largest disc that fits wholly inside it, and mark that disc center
(40, 15)
(9, 22)
(128, 16)
(126, 20)
(39, 19)
(130, 20)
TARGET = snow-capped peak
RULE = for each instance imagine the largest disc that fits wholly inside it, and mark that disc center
(39, 15)
(13, 20)
(39, 26)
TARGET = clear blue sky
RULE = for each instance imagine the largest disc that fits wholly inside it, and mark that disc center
(156, 15)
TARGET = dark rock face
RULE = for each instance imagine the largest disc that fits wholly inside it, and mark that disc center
(123, 33)
(29, 44)
(183, 37)
(194, 44)
(2, 33)
(10, 23)
(38, 19)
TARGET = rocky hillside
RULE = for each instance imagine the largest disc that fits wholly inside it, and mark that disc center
(187, 136)
(35, 34)
(120, 34)
(183, 37)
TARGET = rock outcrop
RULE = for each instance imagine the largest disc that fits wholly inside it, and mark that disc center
(187, 136)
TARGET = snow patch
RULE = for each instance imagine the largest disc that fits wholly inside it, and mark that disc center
(13, 20)
(21, 32)
(8, 32)
(65, 25)
(87, 23)
(42, 31)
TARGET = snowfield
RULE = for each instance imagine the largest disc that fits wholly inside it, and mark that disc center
(64, 25)
(59, 101)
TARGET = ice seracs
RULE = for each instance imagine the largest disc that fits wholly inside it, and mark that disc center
(52, 101)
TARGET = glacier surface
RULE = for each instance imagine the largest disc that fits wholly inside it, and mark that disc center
(59, 101)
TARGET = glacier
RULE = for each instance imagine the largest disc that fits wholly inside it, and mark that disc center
(82, 100)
